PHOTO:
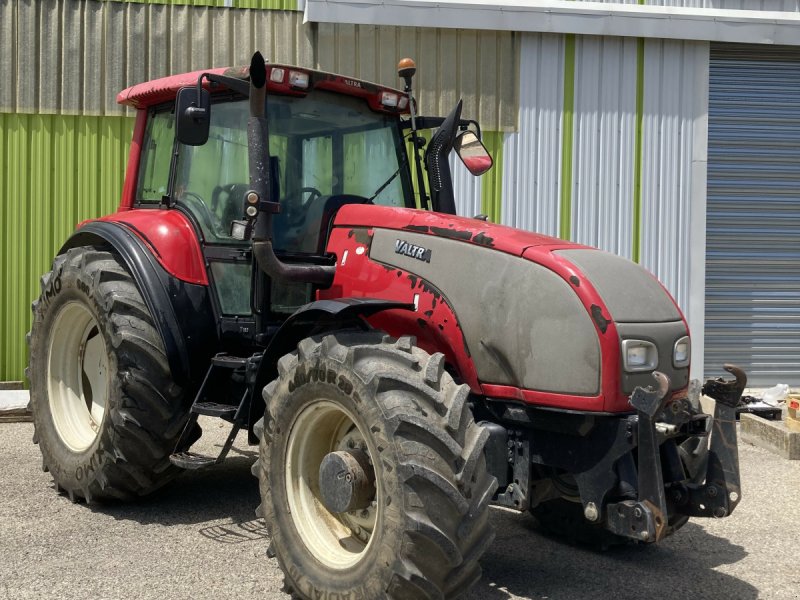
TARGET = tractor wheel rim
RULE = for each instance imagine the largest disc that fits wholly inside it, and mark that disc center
(77, 376)
(338, 541)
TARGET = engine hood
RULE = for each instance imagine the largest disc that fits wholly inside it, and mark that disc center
(542, 318)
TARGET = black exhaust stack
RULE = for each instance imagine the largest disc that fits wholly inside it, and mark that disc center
(441, 182)
(259, 196)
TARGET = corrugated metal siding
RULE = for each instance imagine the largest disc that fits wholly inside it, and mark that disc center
(478, 66)
(74, 56)
(55, 171)
(753, 253)
(260, 4)
(670, 111)
(604, 138)
(532, 156)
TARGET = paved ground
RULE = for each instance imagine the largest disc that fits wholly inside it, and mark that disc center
(199, 539)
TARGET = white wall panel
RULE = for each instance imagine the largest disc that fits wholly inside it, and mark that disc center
(604, 143)
(674, 156)
(532, 156)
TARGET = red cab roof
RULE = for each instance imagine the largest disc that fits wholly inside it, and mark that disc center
(161, 90)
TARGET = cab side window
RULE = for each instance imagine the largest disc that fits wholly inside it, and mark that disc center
(156, 157)
(210, 180)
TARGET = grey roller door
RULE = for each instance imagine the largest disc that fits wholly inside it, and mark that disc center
(753, 244)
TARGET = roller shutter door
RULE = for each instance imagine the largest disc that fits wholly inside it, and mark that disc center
(753, 226)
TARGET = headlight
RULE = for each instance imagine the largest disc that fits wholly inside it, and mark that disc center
(682, 353)
(638, 355)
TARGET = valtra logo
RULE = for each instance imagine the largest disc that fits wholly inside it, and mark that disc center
(412, 250)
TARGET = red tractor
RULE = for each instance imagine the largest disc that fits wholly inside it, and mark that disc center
(401, 367)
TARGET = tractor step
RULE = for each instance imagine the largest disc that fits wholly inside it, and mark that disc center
(223, 378)
(228, 361)
(191, 460)
(213, 409)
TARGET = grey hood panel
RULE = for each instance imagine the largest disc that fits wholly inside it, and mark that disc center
(630, 292)
(523, 324)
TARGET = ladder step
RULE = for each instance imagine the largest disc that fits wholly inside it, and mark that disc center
(212, 409)
(227, 361)
(191, 460)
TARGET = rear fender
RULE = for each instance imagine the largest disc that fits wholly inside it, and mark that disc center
(181, 311)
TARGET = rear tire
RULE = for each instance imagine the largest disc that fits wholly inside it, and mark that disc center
(427, 526)
(106, 412)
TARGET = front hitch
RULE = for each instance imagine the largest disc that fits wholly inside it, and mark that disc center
(715, 494)
(721, 492)
(645, 518)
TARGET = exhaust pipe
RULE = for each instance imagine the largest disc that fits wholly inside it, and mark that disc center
(259, 196)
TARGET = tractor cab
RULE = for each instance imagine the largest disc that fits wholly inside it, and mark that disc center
(332, 141)
(260, 161)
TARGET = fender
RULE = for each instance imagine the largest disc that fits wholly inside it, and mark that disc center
(314, 318)
(175, 305)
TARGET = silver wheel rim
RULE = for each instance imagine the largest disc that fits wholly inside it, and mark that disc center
(338, 541)
(77, 376)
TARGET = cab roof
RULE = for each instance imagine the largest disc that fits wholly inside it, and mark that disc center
(158, 91)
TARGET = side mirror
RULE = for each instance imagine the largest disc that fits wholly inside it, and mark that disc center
(192, 115)
(473, 153)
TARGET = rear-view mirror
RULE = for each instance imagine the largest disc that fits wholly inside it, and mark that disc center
(473, 153)
(192, 115)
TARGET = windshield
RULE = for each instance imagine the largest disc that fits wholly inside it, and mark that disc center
(323, 146)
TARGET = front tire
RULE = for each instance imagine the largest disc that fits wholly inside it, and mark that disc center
(427, 526)
(106, 413)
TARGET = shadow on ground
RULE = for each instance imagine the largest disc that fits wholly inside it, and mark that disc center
(221, 492)
(523, 562)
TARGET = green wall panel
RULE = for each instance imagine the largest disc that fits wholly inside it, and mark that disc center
(264, 4)
(55, 171)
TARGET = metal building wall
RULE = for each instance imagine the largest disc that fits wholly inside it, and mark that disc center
(74, 56)
(72, 169)
(479, 67)
(604, 143)
(532, 155)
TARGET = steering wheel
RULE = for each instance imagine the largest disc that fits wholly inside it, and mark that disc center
(314, 194)
(296, 212)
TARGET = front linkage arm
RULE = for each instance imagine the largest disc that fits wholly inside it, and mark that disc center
(645, 518)
(721, 492)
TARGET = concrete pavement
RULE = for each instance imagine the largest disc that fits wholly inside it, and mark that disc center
(200, 539)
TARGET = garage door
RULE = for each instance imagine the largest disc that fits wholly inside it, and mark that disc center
(753, 244)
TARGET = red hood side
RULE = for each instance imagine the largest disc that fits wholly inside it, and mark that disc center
(474, 231)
